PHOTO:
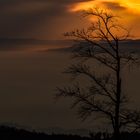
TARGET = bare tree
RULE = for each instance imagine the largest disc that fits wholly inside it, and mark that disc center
(104, 96)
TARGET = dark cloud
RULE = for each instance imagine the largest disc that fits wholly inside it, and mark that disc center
(114, 6)
(34, 18)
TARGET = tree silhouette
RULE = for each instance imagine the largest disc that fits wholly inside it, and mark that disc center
(104, 95)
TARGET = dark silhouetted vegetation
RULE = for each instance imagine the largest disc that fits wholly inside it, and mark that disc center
(10, 133)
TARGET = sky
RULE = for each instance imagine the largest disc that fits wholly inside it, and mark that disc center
(49, 19)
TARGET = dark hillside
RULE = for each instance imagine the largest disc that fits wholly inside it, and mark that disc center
(12, 133)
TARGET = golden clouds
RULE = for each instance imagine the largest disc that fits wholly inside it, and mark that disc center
(133, 5)
(82, 6)
(128, 10)
(130, 5)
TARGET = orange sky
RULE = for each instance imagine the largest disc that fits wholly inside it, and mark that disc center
(128, 10)
(130, 5)
(49, 19)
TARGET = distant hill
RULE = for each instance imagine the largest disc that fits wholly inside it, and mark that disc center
(23, 43)
(32, 41)
(12, 133)
(55, 45)
(128, 45)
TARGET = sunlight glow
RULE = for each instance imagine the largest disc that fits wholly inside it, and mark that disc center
(130, 5)
(128, 10)
(133, 5)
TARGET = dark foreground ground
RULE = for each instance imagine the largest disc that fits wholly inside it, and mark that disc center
(12, 133)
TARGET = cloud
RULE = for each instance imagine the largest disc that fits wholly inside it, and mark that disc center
(35, 18)
(114, 6)
(43, 19)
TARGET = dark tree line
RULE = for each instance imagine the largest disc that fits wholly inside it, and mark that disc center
(104, 96)
(10, 133)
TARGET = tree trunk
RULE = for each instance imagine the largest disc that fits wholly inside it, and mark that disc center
(116, 134)
(118, 96)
